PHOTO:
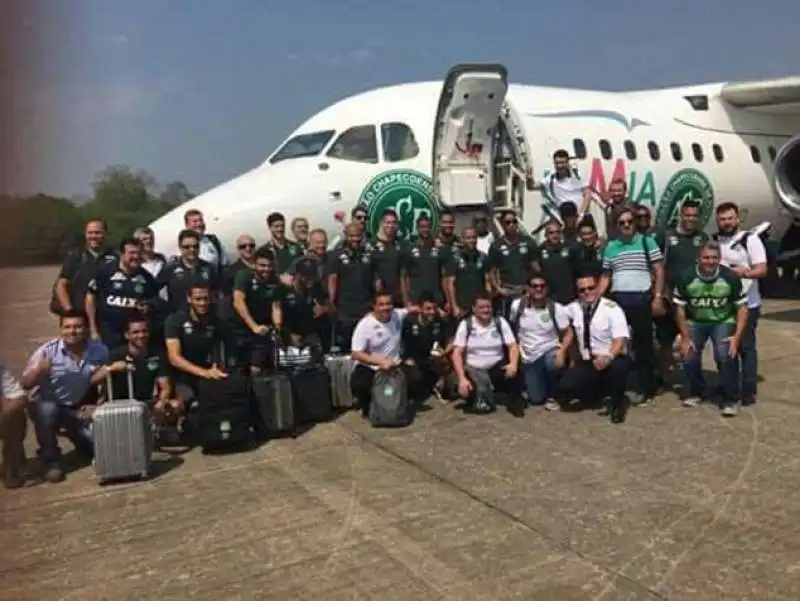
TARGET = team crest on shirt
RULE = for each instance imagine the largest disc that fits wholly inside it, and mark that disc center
(434, 252)
(415, 252)
(673, 241)
(564, 253)
(138, 288)
(545, 253)
(293, 250)
(698, 241)
(204, 274)
(209, 331)
(152, 363)
(415, 330)
(495, 334)
(109, 258)
(523, 249)
(345, 259)
(254, 284)
(546, 317)
(479, 263)
(365, 259)
(117, 285)
(188, 328)
(504, 249)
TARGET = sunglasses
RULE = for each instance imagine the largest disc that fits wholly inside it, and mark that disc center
(537, 286)
(625, 222)
(244, 246)
(510, 222)
(585, 289)
(360, 217)
(190, 246)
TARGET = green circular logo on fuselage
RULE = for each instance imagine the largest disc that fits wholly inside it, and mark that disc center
(409, 193)
(686, 184)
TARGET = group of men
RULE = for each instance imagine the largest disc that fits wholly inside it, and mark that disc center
(196, 316)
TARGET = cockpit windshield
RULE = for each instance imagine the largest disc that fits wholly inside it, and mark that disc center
(303, 145)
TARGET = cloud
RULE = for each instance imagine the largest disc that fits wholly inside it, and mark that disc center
(355, 56)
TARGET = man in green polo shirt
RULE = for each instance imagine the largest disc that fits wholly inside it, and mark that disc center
(284, 250)
(711, 304)
(511, 259)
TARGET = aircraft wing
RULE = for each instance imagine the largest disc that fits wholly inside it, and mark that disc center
(771, 96)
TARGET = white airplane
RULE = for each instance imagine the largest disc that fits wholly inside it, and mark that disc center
(467, 143)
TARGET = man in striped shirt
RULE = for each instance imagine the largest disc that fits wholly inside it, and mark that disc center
(633, 271)
(61, 375)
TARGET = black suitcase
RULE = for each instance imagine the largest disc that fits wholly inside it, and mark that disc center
(224, 418)
(311, 387)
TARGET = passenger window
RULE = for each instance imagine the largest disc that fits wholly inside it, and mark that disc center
(676, 151)
(605, 149)
(772, 153)
(755, 153)
(630, 150)
(697, 151)
(580, 148)
(654, 150)
(356, 144)
(718, 155)
(398, 142)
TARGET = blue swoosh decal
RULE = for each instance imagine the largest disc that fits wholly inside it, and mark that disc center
(616, 117)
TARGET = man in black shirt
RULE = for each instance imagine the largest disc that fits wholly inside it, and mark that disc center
(80, 267)
(284, 250)
(589, 255)
(386, 252)
(511, 258)
(195, 336)
(149, 371)
(424, 341)
(178, 275)
(257, 295)
(466, 275)
(447, 239)
(119, 292)
(422, 266)
(351, 280)
(557, 262)
(246, 247)
(305, 304)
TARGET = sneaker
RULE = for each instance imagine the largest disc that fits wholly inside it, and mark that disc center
(692, 401)
(551, 405)
(729, 411)
(749, 400)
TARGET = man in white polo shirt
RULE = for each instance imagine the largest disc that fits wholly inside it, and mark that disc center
(564, 184)
(376, 345)
(601, 331)
(486, 359)
(744, 253)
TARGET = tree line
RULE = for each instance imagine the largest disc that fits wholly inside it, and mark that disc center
(39, 229)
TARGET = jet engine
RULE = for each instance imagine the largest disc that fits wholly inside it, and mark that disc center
(787, 176)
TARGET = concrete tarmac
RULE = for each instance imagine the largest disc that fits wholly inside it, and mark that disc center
(676, 504)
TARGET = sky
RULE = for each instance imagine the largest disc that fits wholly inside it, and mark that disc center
(201, 90)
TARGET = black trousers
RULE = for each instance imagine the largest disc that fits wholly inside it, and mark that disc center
(638, 312)
(421, 378)
(585, 382)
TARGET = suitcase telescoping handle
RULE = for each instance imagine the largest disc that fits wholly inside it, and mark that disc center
(129, 379)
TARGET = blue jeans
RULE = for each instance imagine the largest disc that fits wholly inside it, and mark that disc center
(728, 366)
(748, 351)
(541, 378)
(48, 417)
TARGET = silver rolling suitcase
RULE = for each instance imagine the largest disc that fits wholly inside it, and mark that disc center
(123, 437)
(340, 367)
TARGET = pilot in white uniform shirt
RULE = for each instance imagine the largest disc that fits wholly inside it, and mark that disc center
(380, 338)
(607, 323)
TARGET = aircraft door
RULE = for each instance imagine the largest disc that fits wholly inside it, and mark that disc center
(467, 116)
